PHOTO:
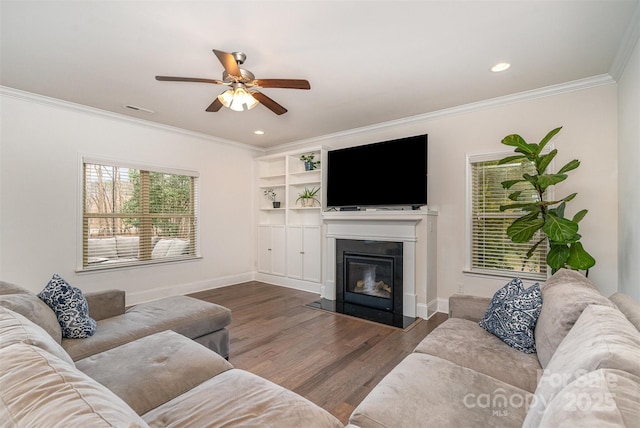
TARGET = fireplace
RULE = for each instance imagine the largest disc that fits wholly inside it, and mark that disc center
(369, 280)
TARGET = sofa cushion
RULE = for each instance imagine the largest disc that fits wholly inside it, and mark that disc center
(601, 338)
(102, 248)
(239, 398)
(565, 295)
(185, 315)
(40, 390)
(166, 364)
(127, 247)
(15, 328)
(34, 309)
(424, 390)
(161, 248)
(512, 315)
(628, 306)
(465, 343)
(70, 307)
(603, 398)
(9, 288)
(178, 248)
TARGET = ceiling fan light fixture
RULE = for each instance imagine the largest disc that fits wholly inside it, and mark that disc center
(237, 99)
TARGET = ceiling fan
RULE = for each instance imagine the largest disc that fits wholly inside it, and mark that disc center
(243, 93)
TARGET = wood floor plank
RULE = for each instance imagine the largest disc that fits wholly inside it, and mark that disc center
(331, 359)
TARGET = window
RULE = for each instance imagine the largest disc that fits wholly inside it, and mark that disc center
(491, 250)
(137, 216)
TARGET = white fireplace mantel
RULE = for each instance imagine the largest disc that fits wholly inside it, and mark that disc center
(413, 228)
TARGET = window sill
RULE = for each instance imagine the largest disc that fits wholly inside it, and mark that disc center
(503, 275)
(101, 268)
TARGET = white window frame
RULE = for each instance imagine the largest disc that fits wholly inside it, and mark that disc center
(80, 256)
(468, 269)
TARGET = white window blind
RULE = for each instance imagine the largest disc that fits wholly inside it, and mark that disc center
(137, 216)
(492, 251)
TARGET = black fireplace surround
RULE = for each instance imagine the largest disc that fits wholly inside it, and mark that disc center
(369, 281)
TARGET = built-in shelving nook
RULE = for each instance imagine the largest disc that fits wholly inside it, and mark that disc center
(290, 237)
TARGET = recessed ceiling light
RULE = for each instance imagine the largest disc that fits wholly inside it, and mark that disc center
(502, 66)
(258, 132)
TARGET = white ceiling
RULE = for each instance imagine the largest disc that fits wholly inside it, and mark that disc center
(368, 62)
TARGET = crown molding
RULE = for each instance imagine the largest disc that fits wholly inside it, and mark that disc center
(629, 41)
(54, 102)
(547, 91)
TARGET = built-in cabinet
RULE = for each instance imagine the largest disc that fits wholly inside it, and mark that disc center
(289, 236)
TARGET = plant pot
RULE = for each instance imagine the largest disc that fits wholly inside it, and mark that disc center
(307, 203)
(309, 166)
(276, 204)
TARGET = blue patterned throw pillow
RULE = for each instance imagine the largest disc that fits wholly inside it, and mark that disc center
(70, 307)
(513, 313)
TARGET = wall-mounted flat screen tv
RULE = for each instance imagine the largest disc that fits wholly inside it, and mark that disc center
(389, 173)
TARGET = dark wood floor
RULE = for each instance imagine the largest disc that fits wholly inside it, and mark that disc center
(331, 359)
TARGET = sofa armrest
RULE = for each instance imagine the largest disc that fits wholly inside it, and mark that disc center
(468, 307)
(105, 304)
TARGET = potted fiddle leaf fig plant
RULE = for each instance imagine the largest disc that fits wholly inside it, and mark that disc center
(308, 196)
(559, 233)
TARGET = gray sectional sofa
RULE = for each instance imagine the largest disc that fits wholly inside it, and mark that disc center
(586, 371)
(145, 366)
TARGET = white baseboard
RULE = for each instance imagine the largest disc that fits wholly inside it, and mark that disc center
(187, 288)
(283, 281)
(443, 305)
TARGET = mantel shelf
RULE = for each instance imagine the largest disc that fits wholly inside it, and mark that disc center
(382, 215)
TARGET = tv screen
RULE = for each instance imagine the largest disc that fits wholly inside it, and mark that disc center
(388, 173)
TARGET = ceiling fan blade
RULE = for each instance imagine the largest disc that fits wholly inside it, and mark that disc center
(228, 62)
(269, 103)
(283, 83)
(214, 106)
(188, 79)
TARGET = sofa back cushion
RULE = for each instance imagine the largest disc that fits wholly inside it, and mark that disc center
(604, 398)
(14, 328)
(127, 247)
(31, 307)
(9, 288)
(628, 306)
(602, 338)
(564, 297)
(39, 389)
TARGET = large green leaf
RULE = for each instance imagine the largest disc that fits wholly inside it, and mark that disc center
(528, 206)
(510, 159)
(569, 166)
(515, 195)
(544, 160)
(518, 142)
(523, 228)
(559, 210)
(547, 138)
(580, 215)
(559, 229)
(507, 184)
(557, 256)
(579, 259)
(546, 180)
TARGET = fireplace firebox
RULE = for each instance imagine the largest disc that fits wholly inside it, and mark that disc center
(369, 280)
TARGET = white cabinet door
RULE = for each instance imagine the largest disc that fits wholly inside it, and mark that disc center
(271, 249)
(304, 253)
(278, 250)
(294, 252)
(312, 249)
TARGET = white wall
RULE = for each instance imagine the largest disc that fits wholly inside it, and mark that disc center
(588, 117)
(629, 164)
(41, 147)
